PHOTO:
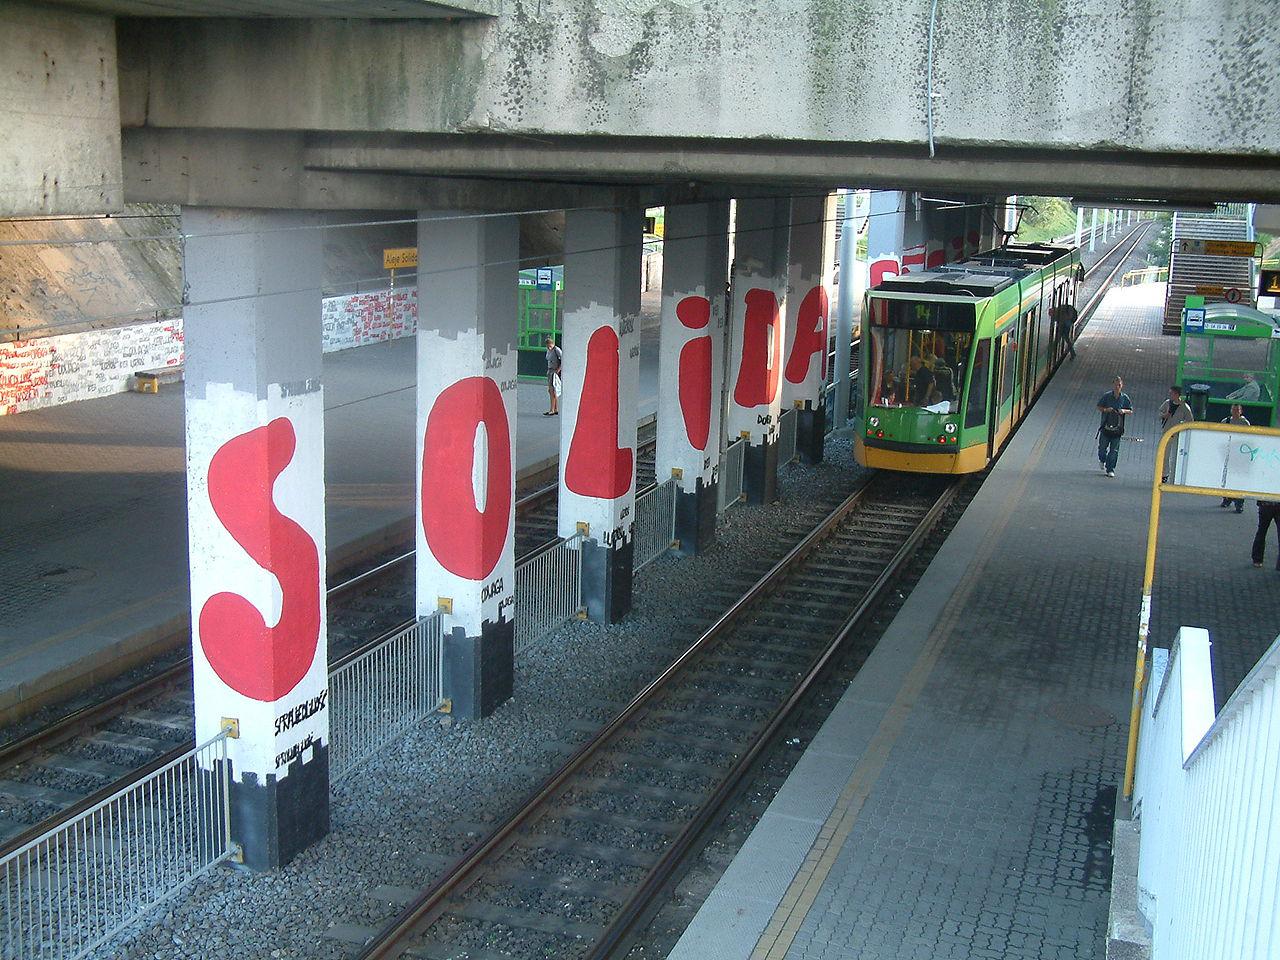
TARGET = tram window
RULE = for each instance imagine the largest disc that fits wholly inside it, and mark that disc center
(975, 412)
(916, 368)
(1010, 367)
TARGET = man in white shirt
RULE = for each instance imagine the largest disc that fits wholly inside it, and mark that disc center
(1173, 412)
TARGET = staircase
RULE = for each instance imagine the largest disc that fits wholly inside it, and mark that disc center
(1231, 221)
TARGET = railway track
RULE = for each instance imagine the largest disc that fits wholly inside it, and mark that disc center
(84, 755)
(570, 871)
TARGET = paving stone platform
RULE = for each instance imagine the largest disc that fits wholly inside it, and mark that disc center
(958, 803)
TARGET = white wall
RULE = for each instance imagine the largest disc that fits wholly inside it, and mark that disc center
(97, 363)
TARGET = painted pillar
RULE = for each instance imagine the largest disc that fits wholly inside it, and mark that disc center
(808, 320)
(1079, 224)
(844, 312)
(761, 241)
(1093, 229)
(255, 518)
(598, 406)
(466, 446)
(886, 235)
(691, 353)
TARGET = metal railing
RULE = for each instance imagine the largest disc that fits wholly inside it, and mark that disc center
(655, 523)
(1145, 275)
(729, 486)
(548, 590)
(787, 436)
(375, 697)
(1206, 796)
(68, 891)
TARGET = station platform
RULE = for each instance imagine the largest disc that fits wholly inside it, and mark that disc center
(958, 802)
(93, 507)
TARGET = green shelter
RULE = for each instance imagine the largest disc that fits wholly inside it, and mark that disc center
(1229, 353)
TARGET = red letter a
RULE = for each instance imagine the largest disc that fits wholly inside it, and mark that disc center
(811, 335)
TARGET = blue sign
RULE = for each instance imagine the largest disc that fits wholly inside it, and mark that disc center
(1193, 319)
(545, 281)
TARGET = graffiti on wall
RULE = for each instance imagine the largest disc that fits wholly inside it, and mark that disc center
(98, 363)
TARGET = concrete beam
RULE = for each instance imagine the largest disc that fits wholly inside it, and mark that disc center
(60, 112)
(1115, 76)
(993, 169)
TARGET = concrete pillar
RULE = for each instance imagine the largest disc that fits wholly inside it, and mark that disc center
(844, 314)
(1079, 225)
(691, 354)
(466, 446)
(255, 519)
(886, 235)
(598, 407)
(1093, 229)
(807, 320)
(762, 239)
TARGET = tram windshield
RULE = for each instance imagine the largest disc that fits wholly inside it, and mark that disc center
(918, 353)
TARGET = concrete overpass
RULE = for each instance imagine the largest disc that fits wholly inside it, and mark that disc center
(463, 103)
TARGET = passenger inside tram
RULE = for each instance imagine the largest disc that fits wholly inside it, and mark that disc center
(919, 368)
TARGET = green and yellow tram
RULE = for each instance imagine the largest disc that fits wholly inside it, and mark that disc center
(952, 358)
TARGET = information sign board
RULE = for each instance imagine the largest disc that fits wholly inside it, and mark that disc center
(1217, 248)
(1269, 283)
(399, 258)
(1193, 319)
(545, 278)
(1227, 460)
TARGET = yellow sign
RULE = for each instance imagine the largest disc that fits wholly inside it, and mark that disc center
(1230, 248)
(1208, 291)
(397, 258)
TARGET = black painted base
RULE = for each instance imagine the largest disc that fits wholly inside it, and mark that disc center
(275, 821)
(606, 579)
(811, 432)
(696, 518)
(760, 472)
(479, 672)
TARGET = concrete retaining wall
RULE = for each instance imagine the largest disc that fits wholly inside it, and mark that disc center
(97, 363)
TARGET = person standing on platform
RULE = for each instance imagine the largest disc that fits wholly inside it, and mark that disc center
(1064, 320)
(1114, 405)
(1173, 412)
(1268, 511)
(1236, 418)
(555, 361)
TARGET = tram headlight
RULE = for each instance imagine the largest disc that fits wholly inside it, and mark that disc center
(950, 428)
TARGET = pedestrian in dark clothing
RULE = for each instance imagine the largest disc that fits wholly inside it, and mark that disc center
(1114, 405)
(1268, 511)
(1064, 321)
(1237, 418)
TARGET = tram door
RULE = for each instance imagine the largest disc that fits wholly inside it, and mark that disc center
(997, 378)
(1027, 361)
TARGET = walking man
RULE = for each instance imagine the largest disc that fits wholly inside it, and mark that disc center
(555, 360)
(1114, 405)
(1173, 411)
(1268, 511)
(1236, 418)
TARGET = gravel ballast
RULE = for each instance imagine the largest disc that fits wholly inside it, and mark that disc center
(400, 819)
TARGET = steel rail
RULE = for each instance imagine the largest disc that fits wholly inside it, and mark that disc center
(657, 878)
(426, 907)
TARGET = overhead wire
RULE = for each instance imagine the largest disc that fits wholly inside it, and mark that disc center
(105, 322)
(24, 333)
